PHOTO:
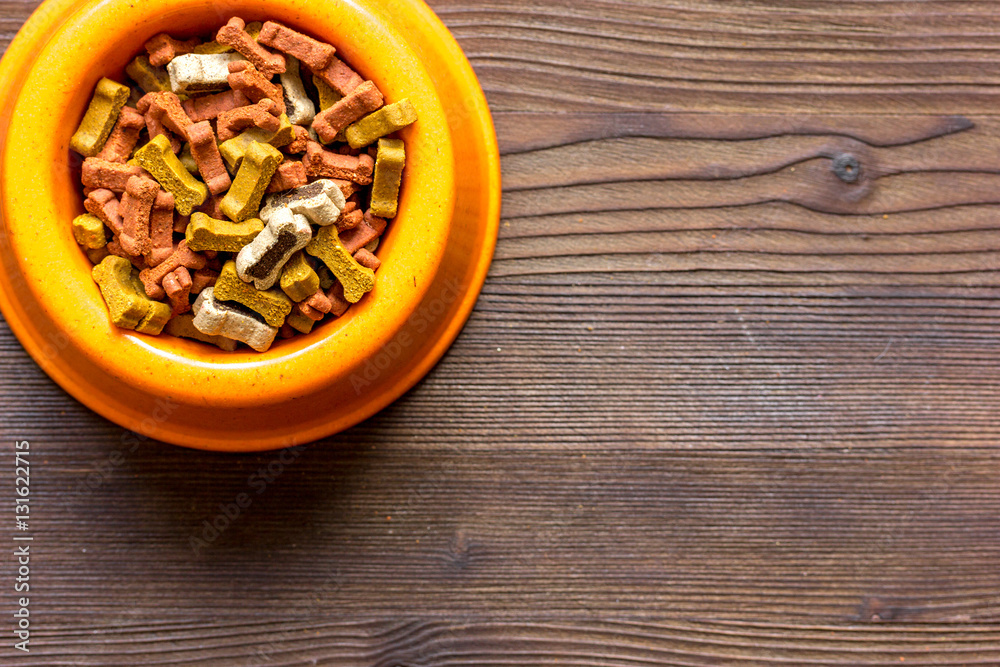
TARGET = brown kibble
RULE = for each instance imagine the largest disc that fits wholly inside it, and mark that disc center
(161, 228)
(375, 222)
(320, 302)
(300, 142)
(245, 78)
(177, 286)
(350, 220)
(100, 174)
(165, 109)
(289, 175)
(308, 311)
(124, 136)
(202, 279)
(136, 207)
(163, 48)
(339, 304)
(365, 258)
(234, 34)
(181, 256)
(326, 164)
(264, 115)
(105, 206)
(205, 152)
(314, 54)
(363, 100)
(156, 128)
(210, 106)
(340, 77)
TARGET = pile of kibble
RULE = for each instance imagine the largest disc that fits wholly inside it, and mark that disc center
(232, 198)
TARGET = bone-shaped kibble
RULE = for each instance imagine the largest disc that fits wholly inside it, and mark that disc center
(123, 138)
(200, 73)
(315, 54)
(158, 159)
(97, 173)
(213, 317)
(321, 201)
(163, 48)
(263, 115)
(102, 114)
(350, 219)
(315, 306)
(389, 165)
(106, 207)
(157, 129)
(210, 106)
(356, 279)
(88, 231)
(365, 258)
(205, 152)
(203, 278)
(341, 78)
(181, 256)
(261, 261)
(183, 326)
(298, 105)
(363, 100)
(320, 162)
(244, 77)
(149, 78)
(300, 140)
(207, 233)
(271, 304)
(166, 110)
(289, 175)
(177, 285)
(161, 228)
(128, 306)
(300, 322)
(367, 231)
(335, 294)
(235, 35)
(386, 120)
(298, 279)
(234, 149)
(136, 207)
(258, 166)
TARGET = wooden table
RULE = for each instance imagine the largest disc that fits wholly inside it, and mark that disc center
(729, 396)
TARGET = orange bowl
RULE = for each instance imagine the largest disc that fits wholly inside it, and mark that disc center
(435, 253)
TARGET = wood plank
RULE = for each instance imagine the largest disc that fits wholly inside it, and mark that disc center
(424, 641)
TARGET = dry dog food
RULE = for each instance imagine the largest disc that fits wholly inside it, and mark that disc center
(234, 189)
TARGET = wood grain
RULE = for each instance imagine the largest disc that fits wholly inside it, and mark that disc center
(715, 406)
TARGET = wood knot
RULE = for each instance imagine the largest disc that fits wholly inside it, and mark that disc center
(847, 167)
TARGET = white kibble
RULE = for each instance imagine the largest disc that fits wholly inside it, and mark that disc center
(321, 201)
(261, 261)
(216, 318)
(300, 108)
(200, 72)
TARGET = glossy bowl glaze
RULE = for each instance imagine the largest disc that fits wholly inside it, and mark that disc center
(435, 253)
